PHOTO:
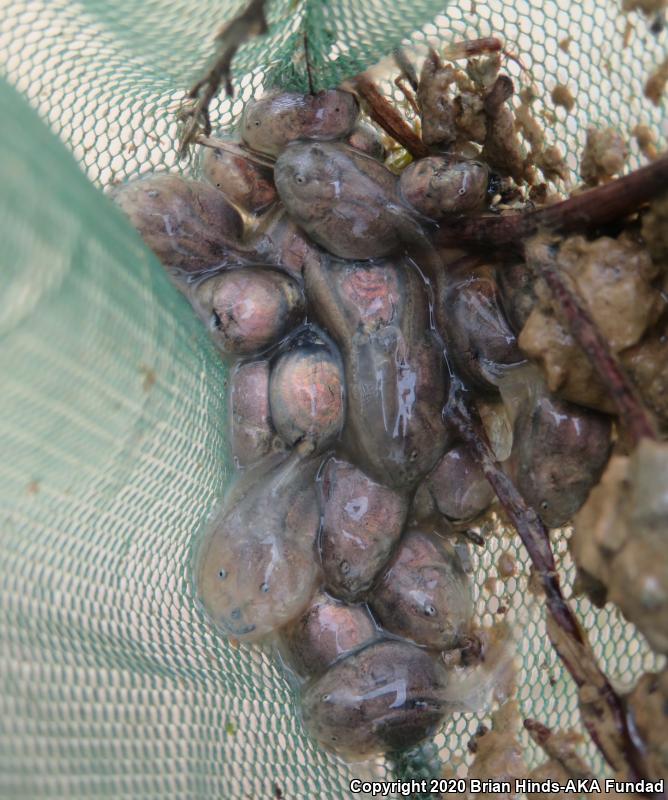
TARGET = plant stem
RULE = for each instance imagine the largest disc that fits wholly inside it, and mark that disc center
(605, 720)
(386, 115)
(194, 113)
(587, 210)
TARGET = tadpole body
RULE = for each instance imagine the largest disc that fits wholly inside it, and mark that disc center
(250, 308)
(366, 138)
(253, 434)
(456, 488)
(424, 594)
(189, 225)
(346, 201)
(283, 243)
(307, 391)
(518, 295)
(256, 569)
(361, 525)
(271, 123)
(386, 697)
(470, 316)
(559, 452)
(378, 314)
(327, 631)
(438, 186)
(244, 181)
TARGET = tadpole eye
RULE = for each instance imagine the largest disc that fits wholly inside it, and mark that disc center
(257, 123)
(299, 179)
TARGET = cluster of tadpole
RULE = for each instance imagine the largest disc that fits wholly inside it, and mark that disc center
(376, 397)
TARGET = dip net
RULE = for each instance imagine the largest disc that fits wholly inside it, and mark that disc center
(113, 423)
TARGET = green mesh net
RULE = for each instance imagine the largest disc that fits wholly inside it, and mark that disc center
(113, 408)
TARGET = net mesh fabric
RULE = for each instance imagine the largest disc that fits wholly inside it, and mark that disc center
(113, 425)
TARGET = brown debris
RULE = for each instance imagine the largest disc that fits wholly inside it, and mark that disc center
(502, 149)
(547, 158)
(628, 32)
(584, 211)
(656, 83)
(649, 7)
(620, 536)
(498, 753)
(614, 279)
(434, 100)
(648, 707)
(506, 565)
(655, 229)
(561, 96)
(386, 116)
(564, 763)
(600, 706)
(603, 157)
(646, 139)
(647, 365)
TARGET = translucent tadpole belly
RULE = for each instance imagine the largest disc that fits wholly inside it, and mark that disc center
(256, 568)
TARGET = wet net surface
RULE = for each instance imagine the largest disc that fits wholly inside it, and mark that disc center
(113, 424)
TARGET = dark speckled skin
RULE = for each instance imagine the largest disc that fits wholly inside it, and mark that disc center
(346, 201)
(272, 122)
(424, 594)
(189, 225)
(378, 314)
(386, 697)
(559, 453)
(361, 525)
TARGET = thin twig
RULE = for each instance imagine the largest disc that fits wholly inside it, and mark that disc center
(558, 749)
(541, 255)
(588, 210)
(618, 748)
(386, 115)
(236, 149)
(194, 112)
